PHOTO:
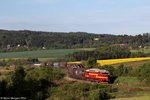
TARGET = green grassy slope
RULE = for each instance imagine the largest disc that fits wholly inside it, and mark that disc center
(142, 50)
(135, 98)
(54, 53)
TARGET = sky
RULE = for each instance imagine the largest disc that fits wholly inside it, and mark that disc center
(94, 16)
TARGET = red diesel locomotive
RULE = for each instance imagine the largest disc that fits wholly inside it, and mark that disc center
(95, 75)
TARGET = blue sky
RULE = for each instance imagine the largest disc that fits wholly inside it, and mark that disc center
(96, 16)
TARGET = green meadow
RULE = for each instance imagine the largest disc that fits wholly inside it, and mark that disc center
(144, 50)
(52, 54)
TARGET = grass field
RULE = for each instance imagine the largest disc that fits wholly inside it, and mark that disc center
(142, 50)
(135, 98)
(54, 53)
(43, 54)
(86, 49)
(131, 88)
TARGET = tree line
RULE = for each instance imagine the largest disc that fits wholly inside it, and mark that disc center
(28, 40)
(107, 52)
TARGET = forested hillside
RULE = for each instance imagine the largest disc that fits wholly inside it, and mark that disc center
(36, 39)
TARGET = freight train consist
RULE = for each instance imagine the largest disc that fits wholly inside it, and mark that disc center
(95, 75)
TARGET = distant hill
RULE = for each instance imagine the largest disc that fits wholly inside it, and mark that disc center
(10, 39)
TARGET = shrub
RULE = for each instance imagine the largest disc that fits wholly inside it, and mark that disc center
(108, 68)
(121, 70)
(3, 86)
(3, 63)
(91, 62)
(80, 91)
(144, 73)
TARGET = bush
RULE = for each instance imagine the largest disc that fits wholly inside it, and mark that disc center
(41, 80)
(33, 84)
(144, 73)
(80, 91)
(17, 62)
(17, 82)
(139, 54)
(108, 68)
(3, 63)
(49, 74)
(99, 94)
(132, 71)
(91, 62)
(121, 70)
(3, 86)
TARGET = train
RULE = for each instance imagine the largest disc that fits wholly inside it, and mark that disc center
(77, 71)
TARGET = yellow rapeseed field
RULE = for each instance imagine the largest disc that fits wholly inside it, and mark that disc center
(75, 62)
(115, 61)
(118, 61)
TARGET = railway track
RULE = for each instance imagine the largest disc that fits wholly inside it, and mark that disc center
(77, 80)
